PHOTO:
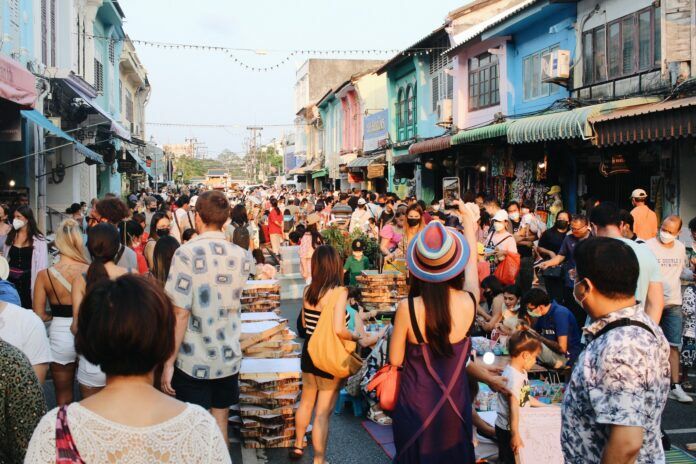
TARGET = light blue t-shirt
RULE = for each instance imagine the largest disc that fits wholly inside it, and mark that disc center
(649, 268)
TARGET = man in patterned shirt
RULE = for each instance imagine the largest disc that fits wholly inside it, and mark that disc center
(614, 401)
(205, 283)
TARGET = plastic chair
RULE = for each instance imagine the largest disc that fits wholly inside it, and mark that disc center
(356, 403)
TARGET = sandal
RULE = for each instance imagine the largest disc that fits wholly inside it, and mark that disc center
(378, 417)
(296, 453)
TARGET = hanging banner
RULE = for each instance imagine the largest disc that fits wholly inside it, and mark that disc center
(375, 133)
(375, 170)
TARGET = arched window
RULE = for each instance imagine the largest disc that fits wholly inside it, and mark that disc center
(409, 105)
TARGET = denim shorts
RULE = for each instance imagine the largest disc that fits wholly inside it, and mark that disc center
(671, 324)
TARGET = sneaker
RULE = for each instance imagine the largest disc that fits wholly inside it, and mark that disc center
(676, 393)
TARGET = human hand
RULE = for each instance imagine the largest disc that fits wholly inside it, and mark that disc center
(499, 384)
(543, 265)
(166, 380)
(516, 443)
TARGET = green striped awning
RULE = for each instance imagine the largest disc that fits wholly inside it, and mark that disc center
(320, 173)
(480, 133)
(563, 125)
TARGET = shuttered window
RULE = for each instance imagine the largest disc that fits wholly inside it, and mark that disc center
(53, 32)
(98, 75)
(112, 51)
(44, 31)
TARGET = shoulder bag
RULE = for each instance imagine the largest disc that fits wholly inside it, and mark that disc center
(328, 351)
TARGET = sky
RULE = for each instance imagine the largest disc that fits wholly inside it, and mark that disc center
(208, 87)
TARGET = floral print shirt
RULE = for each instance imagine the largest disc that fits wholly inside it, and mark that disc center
(621, 378)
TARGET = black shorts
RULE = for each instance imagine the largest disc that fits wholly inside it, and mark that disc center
(206, 393)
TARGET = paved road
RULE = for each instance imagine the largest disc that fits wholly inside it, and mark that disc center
(349, 442)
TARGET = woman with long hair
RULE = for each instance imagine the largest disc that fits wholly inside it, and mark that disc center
(103, 245)
(238, 218)
(162, 259)
(159, 227)
(26, 251)
(127, 327)
(432, 419)
(54, 285)
(309, 242)
(5, 226)
(320, 389)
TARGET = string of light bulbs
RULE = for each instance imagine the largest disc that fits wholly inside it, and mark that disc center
(232, 52)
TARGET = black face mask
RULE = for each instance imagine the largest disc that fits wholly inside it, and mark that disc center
(413, 222)
(152, 210)
(162, 232)
(561, 225)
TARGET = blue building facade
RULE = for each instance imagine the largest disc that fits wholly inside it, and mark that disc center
(331, 116)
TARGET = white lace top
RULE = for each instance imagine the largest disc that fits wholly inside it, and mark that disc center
(190, 437)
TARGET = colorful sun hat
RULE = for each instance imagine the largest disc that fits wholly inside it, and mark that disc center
(437, 253)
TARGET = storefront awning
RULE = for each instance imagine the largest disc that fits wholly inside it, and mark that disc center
(297, 170)
(17, 84)
(140, 161)
(647, 123)
(406, 159)
(320, 173)
(347, 158)
(563, 125)
(42, 121)
(87, 153)
(114, 125)
(312, 167)
(480, 133)
(365, 161)
(430, 145)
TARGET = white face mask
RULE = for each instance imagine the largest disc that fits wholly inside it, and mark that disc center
(514, 216)
(436, 207)
(18, 223)
(666, 237)
(498, 226)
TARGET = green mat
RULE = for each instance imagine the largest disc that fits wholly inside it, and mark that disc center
(678, 456)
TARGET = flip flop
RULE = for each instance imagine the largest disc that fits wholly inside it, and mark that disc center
(296, 453)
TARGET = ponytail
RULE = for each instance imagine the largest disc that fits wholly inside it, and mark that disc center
(96, 273)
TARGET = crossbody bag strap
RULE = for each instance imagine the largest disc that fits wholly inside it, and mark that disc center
(66, 450)
(53, 287)
(623, 322)
(59, 277)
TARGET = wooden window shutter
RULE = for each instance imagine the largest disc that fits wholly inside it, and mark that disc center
(53, 32)
(44, 31)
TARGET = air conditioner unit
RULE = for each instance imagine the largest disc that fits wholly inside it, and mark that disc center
(444, 111)
(555, 66)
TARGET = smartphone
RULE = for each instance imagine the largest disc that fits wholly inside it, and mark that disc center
(450, 190)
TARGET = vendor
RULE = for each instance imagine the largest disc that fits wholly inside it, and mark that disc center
(356, 262)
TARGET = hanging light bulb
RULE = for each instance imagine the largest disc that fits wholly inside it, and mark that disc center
(483, 168)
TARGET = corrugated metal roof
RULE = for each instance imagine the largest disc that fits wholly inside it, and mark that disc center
(399, 56)
(647, 123)
(482, 27)
(430, 145)
(481, 133)
(364, 161)
(563, 125)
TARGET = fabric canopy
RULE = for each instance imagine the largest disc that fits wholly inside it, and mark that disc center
(365, 161)
(114, 126)
(17, 84)
(43, 122)
(141, 163)
(320, 173)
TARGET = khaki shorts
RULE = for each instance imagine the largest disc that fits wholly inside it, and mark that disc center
(321, 383)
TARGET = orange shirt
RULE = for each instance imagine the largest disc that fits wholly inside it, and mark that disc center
(644, 222)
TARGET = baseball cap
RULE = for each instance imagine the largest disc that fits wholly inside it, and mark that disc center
(501, 215)
(361, 201)
(639, 193)
(358, 245)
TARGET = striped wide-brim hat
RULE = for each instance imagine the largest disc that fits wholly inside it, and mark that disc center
(437, 253)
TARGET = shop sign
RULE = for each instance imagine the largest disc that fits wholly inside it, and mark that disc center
(375, 133)
(616, 164)
(375, 170)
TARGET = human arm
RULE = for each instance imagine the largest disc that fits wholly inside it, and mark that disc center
(471, 281)
(557, 260)
(397, 344)
(515, 440)
(623, 445)
(482, 427)
(182, 317)
(480, 312)
(482, 373)
(39, 301)
(77, 294)
(655, 301)
(545, 252)
(496, 314)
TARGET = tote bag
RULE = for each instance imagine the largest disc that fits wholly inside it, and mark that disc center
(330, 353)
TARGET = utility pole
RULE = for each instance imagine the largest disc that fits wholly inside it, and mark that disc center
(253, 150)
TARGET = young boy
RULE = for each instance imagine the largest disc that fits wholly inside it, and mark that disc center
(524, 349)
(356, 263)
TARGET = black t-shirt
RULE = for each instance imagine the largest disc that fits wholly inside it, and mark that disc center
(353, 201)
(524, 250)
(552, 239)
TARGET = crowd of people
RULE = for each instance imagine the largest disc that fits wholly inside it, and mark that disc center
(137, 300)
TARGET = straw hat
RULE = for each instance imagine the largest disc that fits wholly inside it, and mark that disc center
(437, 253)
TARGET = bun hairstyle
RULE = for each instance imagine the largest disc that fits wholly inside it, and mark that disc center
(69, 241)
(103, 244)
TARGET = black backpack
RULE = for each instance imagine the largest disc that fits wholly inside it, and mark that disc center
(241, 237)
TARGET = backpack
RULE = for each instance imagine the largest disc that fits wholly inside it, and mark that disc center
(241, 237)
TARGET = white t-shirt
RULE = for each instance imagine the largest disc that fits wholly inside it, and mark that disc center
(673, 262)
(23, 329)
(518, 384)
